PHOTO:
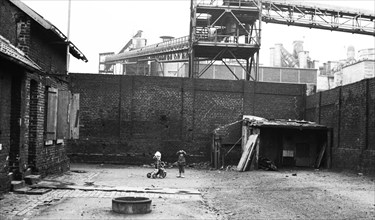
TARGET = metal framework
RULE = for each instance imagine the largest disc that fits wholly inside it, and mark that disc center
(224, 31)
(172, 50)
(319, 16)
(230, 30)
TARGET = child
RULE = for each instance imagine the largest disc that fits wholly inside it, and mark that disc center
(181, 163)
(158, 162)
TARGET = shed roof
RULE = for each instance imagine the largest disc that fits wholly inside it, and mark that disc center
(11, 52)
(254, 121)
(48, 26)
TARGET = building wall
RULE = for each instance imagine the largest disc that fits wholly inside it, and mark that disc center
(5, 115)
(43, 47)
(349, 110)
(125, 119)
(358, 71)
(266, 74)
(51, 158)
(22, 125)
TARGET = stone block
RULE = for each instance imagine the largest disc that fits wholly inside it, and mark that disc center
(32, 179)
(15, 184)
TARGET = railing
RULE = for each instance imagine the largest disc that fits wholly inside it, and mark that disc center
(176, 44)
(210, 35)
(237, 3)
(319, 17)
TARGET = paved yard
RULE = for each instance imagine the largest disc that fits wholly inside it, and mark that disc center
(87, 190)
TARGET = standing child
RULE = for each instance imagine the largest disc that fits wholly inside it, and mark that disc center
(181, 163)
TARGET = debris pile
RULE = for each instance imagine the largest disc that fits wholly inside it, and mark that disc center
(267, 164)
(200, 165)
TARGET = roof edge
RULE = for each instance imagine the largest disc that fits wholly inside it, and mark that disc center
(73, 50)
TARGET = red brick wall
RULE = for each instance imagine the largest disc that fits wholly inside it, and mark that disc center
(350, 111)
(125, 119)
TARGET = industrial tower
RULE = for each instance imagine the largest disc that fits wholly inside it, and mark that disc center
(225, 31)
(230, 31)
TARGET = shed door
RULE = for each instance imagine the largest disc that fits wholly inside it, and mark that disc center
(302, 154)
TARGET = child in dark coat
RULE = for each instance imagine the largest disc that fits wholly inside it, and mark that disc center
(181, 162)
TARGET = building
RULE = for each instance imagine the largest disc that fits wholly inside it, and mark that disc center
(285, 67)
(362, 69)
(35, 101)
(338, 73)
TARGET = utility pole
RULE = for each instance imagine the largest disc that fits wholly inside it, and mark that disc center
(68, 39)
(191, 40)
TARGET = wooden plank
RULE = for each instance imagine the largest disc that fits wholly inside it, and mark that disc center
(248, 158)
(320, 156)
(244, 155)
(247, 153)
(51, 114)
(74, 116)
(251, 152)
(329, 148)
(63, 108)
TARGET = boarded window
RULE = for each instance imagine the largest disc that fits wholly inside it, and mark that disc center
(74, 116)
(63, 108)
(51, 114)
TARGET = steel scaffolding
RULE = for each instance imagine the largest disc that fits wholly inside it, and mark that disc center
(230, 31)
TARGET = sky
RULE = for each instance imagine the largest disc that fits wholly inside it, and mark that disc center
(98, 26)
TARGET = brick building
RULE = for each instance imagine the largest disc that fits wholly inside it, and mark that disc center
(34, 94)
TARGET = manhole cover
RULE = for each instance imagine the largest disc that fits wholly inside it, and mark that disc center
(131, 205)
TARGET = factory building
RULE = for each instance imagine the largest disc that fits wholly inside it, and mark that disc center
(296, 67)
(338, 73)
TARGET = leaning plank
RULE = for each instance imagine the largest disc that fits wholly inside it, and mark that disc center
(251, 152)
(320, 156)
(245, 155)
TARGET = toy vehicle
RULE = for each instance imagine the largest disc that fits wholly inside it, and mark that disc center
(162, 173)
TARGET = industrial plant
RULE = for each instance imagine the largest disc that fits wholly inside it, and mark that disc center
(216, 32)
(293, 139)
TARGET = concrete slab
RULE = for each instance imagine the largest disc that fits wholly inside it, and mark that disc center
(22, 190)
(54, 185)
(101, 208)
(37, 191)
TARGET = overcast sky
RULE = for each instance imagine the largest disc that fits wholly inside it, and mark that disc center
(107, 25)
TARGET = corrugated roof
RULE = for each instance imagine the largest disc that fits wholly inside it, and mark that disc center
(254, 121)
(48, 26)
(11, 52)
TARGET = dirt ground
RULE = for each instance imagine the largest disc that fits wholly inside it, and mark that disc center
(285, 194)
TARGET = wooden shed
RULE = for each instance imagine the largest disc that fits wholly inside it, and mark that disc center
(287, 143)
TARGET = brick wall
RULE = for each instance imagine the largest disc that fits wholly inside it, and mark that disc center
(22, 124)
(43, 47)
(125, 119)
(350, 111)
(5, 109)
(50, 159)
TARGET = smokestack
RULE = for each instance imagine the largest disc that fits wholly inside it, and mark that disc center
(297, 48)
(350, 53)
(277, 55)
(272, 56)
(302, 59)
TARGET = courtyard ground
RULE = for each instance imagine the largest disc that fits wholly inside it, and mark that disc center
(86, 192)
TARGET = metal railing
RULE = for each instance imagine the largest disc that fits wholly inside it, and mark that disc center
(176, 44)
(319, 16)
(236, 3)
